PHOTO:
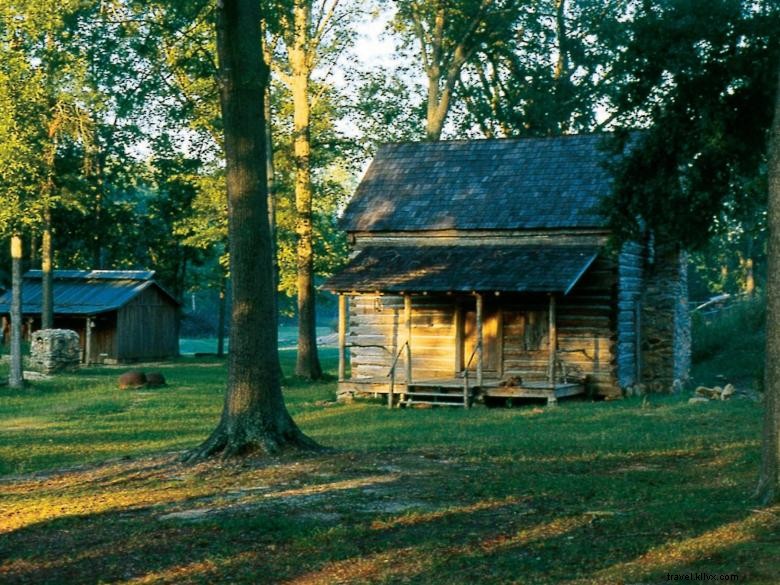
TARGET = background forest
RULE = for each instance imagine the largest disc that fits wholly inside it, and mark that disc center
(110, 136)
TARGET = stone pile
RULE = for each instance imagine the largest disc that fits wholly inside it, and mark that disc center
(704, 394)
(55, 350)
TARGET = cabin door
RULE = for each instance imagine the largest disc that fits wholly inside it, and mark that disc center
(491, 340)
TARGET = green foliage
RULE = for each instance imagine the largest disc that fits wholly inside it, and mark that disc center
(552, 76)
(729, 344)
(701, 77)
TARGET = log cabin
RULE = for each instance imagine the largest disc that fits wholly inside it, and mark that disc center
(119, 315)
(485, 269)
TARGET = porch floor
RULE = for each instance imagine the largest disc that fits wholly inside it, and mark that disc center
(489, 387)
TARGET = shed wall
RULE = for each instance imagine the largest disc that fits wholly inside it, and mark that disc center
(147, 327)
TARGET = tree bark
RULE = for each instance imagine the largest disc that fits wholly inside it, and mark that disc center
(768, 491)
(15, 377)
(307, 364)
(254, 417)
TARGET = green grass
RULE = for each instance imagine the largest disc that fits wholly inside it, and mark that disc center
(288, 336)
(611, 492)
(729, 346)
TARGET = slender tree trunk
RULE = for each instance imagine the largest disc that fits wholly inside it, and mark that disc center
(438, 106)
(221, 318)
(768, 490)
(254, 417)
(47, 277)
(15, 379)
(271, 180)
(308, 363)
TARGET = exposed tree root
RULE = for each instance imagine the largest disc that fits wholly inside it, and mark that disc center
(246, 442)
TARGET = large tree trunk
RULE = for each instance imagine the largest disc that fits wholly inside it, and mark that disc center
(308, 363)
(254, 417)
(768, 491)
(15, 379)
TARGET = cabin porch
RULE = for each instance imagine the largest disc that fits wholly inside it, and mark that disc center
(473, 336)
(455, 391)
(432, 323)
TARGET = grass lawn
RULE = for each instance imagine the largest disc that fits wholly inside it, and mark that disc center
(618, 492)
(288, 337)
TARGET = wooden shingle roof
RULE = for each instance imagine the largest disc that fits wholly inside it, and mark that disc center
(504, 268)
(526, 183)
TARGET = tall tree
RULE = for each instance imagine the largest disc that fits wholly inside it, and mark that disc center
(768, 491)
(20, 176)
(447, 36)
(552, 74)
(254, 417)
(314, 33)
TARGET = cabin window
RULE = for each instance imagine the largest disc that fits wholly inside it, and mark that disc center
(526, 330)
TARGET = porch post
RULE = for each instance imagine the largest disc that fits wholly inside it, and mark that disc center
(480, 347)
(408, 319)
(88, 341)
(553, 335)
(342, 336)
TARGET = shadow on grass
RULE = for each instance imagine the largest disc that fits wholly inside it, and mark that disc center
(383, 517)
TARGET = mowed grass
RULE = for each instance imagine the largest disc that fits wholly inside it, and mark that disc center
(629, 491)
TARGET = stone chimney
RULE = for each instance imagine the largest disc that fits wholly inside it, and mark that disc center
(665, 320)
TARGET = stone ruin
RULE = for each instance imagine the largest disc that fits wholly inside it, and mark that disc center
(55, 350)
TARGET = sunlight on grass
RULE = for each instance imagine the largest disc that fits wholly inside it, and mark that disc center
(585, 493)
(409, 562)
(690, 551)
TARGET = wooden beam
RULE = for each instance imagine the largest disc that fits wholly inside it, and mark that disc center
(480, 348)
(408, 320)
(342, 337)
(553, 338)
(88, 341)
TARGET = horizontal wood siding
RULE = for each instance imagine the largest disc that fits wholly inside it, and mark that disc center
(377, 331)
(587, 319)
(586, 332)
(147, 328)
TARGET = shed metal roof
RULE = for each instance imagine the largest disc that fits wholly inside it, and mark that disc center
(84, 292)
(526, 183)
(504, 268)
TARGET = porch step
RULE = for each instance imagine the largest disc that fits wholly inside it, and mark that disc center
(443, 394)
(435, 396)
(433, 403)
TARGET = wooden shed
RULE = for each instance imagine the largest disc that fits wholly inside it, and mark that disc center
(483, 268)
(120, 315)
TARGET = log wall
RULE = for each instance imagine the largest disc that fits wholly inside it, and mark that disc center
(588, 318)
(377, 332)
(629, 320)
(586, 333)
